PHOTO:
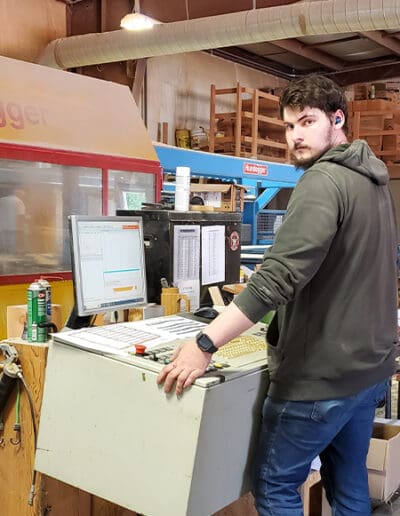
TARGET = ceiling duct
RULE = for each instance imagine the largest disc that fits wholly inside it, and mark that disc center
(267, 24)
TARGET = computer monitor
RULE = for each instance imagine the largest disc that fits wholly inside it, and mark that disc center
(108, 264)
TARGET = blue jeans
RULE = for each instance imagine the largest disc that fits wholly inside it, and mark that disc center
(293, 433)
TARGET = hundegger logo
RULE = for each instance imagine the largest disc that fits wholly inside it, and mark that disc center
(255, 169)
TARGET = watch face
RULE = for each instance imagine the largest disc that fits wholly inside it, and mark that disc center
(205, 343)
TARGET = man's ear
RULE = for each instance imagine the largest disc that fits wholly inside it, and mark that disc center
(338, 120)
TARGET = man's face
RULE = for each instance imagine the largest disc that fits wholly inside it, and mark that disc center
(309, 134)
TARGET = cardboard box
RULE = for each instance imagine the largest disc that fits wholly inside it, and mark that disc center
(307, 492)
(394, 170)
(383, 460)
(218, 197)
(379, 105)
(234, 288)
(371, 105)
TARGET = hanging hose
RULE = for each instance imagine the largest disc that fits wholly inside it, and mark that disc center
(1, 429)
(17, 424)
(7, 382)
(32, 409)
(11, 373)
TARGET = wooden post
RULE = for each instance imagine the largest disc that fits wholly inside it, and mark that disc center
(162, 132)
(238, 121)
(211, 136)
(254, 125)
(16, 460)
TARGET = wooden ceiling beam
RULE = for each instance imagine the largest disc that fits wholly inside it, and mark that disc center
(296, 47)
(373, 74)
(330, 42)
(263, 64)
(383, 39)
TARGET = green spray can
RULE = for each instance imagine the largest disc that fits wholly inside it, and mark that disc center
(46, 285)
(37, 313)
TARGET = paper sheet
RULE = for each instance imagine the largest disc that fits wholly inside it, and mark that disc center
(186, 253)
(212, 254)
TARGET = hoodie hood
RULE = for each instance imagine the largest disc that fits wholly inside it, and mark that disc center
(358, 157)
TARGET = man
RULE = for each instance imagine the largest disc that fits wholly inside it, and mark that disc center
(12, 219)
(331, 276)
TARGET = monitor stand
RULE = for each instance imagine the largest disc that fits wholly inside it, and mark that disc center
(76, 322)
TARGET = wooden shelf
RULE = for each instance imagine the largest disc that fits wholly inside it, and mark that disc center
(378, 122)
(378, 133)
(267, 143)
(385, 114)
(225, 116)
(393, 152)
(253, 129)
(264, 118)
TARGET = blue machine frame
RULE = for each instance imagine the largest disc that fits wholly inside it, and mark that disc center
(263, 179)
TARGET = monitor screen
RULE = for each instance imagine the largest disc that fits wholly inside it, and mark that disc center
(108, 263)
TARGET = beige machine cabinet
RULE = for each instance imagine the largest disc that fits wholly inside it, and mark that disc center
(107, 428)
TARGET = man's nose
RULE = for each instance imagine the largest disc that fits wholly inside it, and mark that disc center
(297, 134)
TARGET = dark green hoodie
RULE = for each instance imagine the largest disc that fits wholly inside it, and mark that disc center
(331, 275)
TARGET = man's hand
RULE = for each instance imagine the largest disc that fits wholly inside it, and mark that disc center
(188, 363)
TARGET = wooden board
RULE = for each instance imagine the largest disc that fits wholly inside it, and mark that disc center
(16, 461)
(27, 27)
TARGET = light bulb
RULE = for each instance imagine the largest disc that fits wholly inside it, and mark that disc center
(137, 21)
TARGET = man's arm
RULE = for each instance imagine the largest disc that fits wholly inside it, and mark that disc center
(300, 247)
(190, 362)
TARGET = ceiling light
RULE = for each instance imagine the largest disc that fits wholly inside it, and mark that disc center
(137, 21)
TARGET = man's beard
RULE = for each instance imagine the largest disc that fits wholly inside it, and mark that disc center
(306, 163)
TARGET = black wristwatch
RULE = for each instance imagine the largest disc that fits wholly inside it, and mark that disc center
(205, 343)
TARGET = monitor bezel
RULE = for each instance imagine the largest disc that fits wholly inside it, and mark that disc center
(74, 221)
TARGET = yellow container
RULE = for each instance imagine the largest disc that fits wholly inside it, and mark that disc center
(182, 137)
(171, 300)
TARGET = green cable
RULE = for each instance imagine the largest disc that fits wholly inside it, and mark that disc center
(17, 405)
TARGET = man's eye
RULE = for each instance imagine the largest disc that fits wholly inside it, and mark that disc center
(309, 121)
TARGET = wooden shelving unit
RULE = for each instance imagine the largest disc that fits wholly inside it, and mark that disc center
(250, 127)
(378, 122)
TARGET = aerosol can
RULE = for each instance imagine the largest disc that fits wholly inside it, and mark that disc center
(37, 313)
(45, 284)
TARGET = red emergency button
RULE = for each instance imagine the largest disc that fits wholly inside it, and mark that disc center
(140, 349)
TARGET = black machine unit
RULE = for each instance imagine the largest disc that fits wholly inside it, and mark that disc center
(158, 230)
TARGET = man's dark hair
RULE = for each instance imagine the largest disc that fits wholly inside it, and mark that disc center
(314, 91)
